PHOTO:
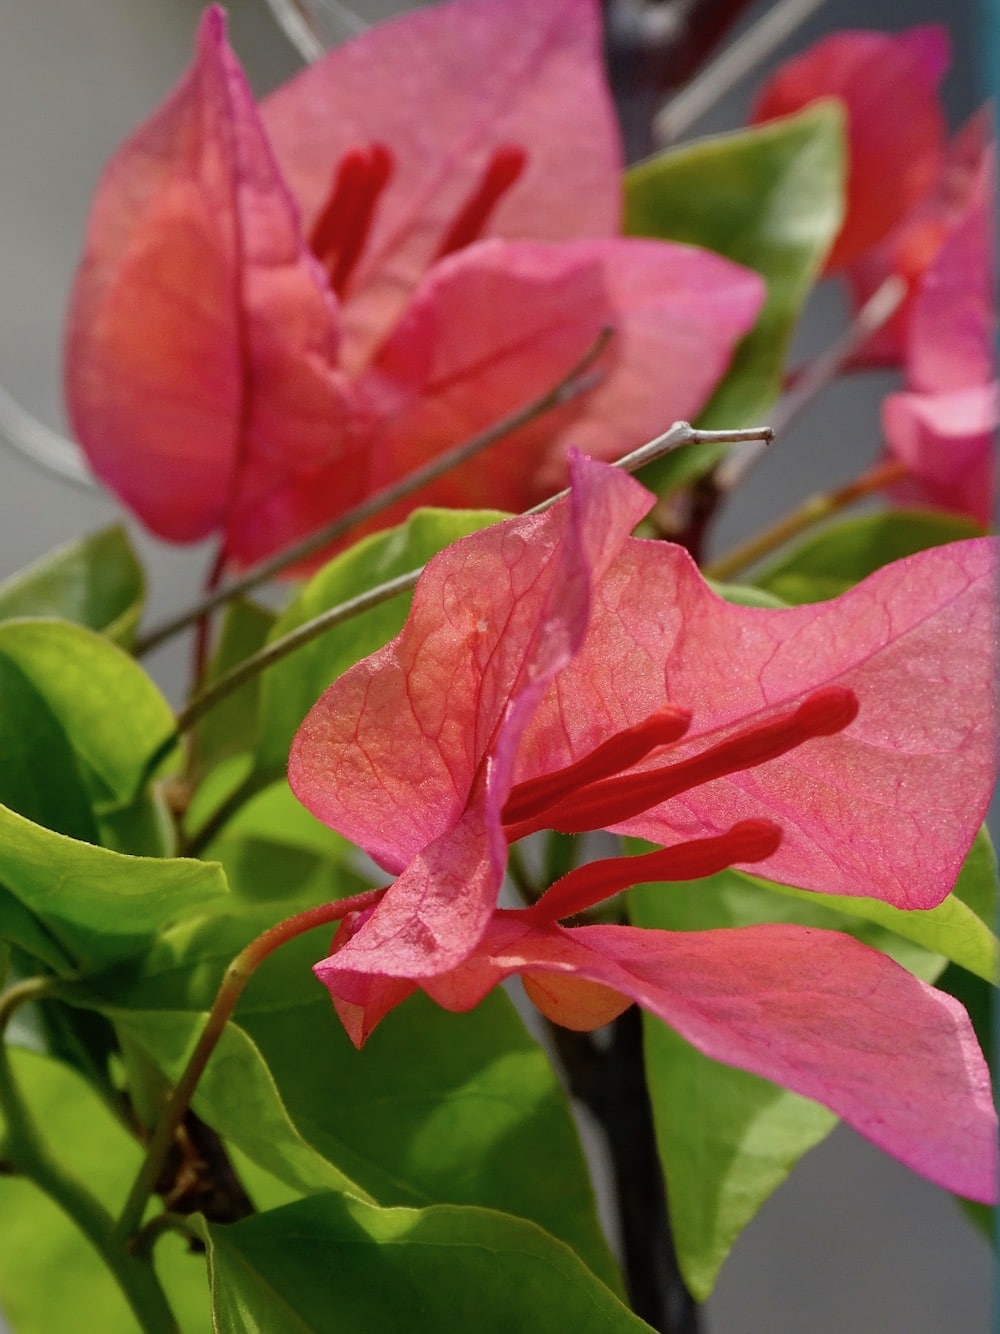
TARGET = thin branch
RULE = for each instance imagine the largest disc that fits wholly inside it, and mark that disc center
(20, 993)
(40, 445)
(821, 372)
(576, 381)
(735, 63)
(802, 517)
(681, 433)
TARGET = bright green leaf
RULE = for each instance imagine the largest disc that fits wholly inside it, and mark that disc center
(236, 1095)
(91, 905)
(828, 563)
(97, 582)
(770, 198)
(333, 1264)
(39, 776)
(113, 715)
(956, 929)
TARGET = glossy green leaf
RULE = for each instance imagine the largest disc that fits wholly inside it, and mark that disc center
(39, 775)
(292, 686)
(51, 1280)
(89, 905)
(97, 582)
(333, 1264)
(770, 198)
(461, 1109)
(111, 712)
(828, 563)
(727, 1139)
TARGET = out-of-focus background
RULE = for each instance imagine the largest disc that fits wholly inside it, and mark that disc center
(853, 1243)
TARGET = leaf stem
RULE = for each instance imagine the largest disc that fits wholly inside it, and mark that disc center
(576, 381)
(234, 980)
(20, 993)
(804, 516)
(29, 1156)
(681, 433)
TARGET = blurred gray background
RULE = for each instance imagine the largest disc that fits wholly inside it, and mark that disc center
(853, 1243)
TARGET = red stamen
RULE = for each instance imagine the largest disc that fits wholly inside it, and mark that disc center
(612, 800)
(747, 841)
(340, 231)
(502, 170)
(611, 757)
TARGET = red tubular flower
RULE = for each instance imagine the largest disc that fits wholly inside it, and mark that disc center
(556, 673)
(281, 309)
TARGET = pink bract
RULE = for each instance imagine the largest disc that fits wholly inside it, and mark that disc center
(539, 658)
(280, 309)
(535, 641)
(895, 125)
(942, 428)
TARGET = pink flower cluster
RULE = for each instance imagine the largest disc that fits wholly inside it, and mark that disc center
(282, 308)
(556, 673)
(923, 210)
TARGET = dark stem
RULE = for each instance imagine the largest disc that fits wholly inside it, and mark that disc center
(651, 49)
(611, 1083)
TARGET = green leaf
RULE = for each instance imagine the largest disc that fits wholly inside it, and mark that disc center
(770, 198)
(97, 582)
(292, 686)
(236, 1095)
(334, 1264)
(113, 715)
(39, 776)
(830, 562)
(438, 1108)
(745, 595)
(51, 1280)
(727, 1139)
(85, 907)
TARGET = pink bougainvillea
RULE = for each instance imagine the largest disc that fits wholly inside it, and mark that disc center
(555, 672)
(895, 124)
(282, 308)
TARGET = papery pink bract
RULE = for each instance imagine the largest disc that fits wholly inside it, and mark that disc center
(282, 308)
(942, 427)
(895, 125)
(815, 1011)
(539, 657)
(531, 643)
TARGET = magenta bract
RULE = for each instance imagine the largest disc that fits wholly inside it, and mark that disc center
(555, 672)
(282, 308)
